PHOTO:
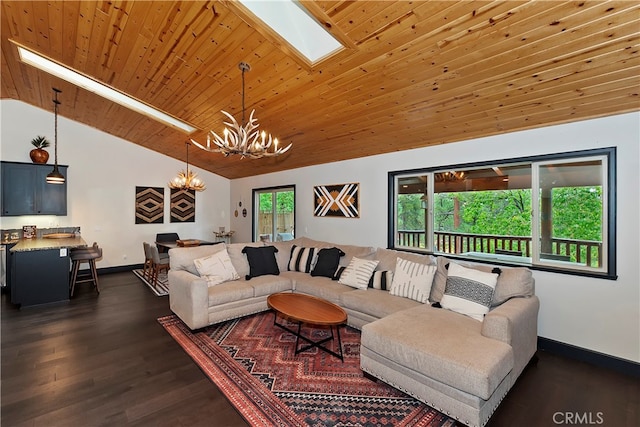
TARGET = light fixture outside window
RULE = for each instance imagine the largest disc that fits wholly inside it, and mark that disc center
(80, 80)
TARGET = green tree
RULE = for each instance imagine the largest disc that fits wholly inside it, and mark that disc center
(577, 213)
(284, 201)
(502, 212)
(410, 212)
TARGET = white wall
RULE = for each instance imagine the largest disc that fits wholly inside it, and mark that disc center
(103, 173)
(599, 315)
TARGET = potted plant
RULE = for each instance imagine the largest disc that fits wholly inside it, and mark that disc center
(39, 154)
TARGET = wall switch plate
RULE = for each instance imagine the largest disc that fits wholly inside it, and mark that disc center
(63, 252)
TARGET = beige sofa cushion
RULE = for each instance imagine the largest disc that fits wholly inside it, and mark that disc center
(238, 259)
(270, 284)
(512, 281)
(322, 287)
(457, 355)
(375, 302)
(230, 292)
(284, 251)
(182, 258)
(350, 251)
(388, 258)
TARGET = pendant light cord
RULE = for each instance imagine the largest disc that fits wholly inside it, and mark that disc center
(243, 70)
(55, 128)
(187, 144)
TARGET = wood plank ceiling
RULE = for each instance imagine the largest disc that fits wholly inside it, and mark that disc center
(413, 74)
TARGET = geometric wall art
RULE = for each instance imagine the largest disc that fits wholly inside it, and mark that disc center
(183, 205)
(149, 205)
(340, 200)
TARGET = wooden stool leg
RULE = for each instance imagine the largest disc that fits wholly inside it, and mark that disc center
(154, 275)
(74, 275)
(94, 273)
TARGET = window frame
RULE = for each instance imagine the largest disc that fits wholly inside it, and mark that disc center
(255, 206)
(608, 155)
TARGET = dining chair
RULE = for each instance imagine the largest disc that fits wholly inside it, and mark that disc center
(166, 237)
(160, 263)
(148, 261)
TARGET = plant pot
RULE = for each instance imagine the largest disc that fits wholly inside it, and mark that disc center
(38, 155)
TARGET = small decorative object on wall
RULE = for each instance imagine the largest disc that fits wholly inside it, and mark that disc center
(336, 200)
(149, 205)
(183, 205)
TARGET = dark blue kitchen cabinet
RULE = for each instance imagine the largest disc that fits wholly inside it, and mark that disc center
(25, 190)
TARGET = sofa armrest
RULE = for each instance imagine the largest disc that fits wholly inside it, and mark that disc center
(189, 298)
(516, 323)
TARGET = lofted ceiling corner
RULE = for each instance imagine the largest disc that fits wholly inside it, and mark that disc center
(412, 73)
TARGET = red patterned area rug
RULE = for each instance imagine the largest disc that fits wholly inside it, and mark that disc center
(253, 363)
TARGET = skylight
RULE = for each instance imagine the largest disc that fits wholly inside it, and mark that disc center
(91, 85)
(292, 22)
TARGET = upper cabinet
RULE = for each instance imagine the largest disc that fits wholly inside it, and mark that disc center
(25, 190)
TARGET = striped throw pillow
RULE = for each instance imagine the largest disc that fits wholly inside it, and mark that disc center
(381, 280)
(469, 291)
(358, 273)
(412, 280)
(302, 259)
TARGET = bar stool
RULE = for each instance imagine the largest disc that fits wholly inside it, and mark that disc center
(88, 255)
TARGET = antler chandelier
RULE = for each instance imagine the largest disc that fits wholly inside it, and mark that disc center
(243, 139)
(187, 180)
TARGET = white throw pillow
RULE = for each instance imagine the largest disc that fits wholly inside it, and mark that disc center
(412, 280)
(358, 273)
(469, 291)
(216, 268)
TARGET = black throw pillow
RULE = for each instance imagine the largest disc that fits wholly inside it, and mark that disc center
(327, 263)
(262, 261)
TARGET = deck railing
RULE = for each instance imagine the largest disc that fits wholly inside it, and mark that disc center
(585, 252)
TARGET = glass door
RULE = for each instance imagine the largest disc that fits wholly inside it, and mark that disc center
(274, 214)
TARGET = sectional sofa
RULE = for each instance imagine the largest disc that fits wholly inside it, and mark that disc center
(424, 338)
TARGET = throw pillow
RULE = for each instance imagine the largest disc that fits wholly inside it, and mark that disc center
(262, 261)
(513, 282)
(381, 280)
(327, 262)
(216, 268)
(412, 280)
(469, 291)
(358, 273)
(302, 259)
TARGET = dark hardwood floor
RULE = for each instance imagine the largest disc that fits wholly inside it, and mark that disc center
(105, 361)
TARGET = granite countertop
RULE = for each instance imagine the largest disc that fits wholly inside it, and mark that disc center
(40, 244)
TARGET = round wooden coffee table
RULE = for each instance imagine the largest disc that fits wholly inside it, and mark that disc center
(301, 308)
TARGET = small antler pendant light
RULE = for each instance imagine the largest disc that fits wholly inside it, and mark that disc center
(187, 180)
(55, 177)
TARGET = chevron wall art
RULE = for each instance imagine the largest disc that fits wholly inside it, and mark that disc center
(183, 205)
(336, 200)
(149, 205)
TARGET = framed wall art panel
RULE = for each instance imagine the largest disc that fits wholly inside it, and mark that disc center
(341, 200)
(183, 205)
(149, 205)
